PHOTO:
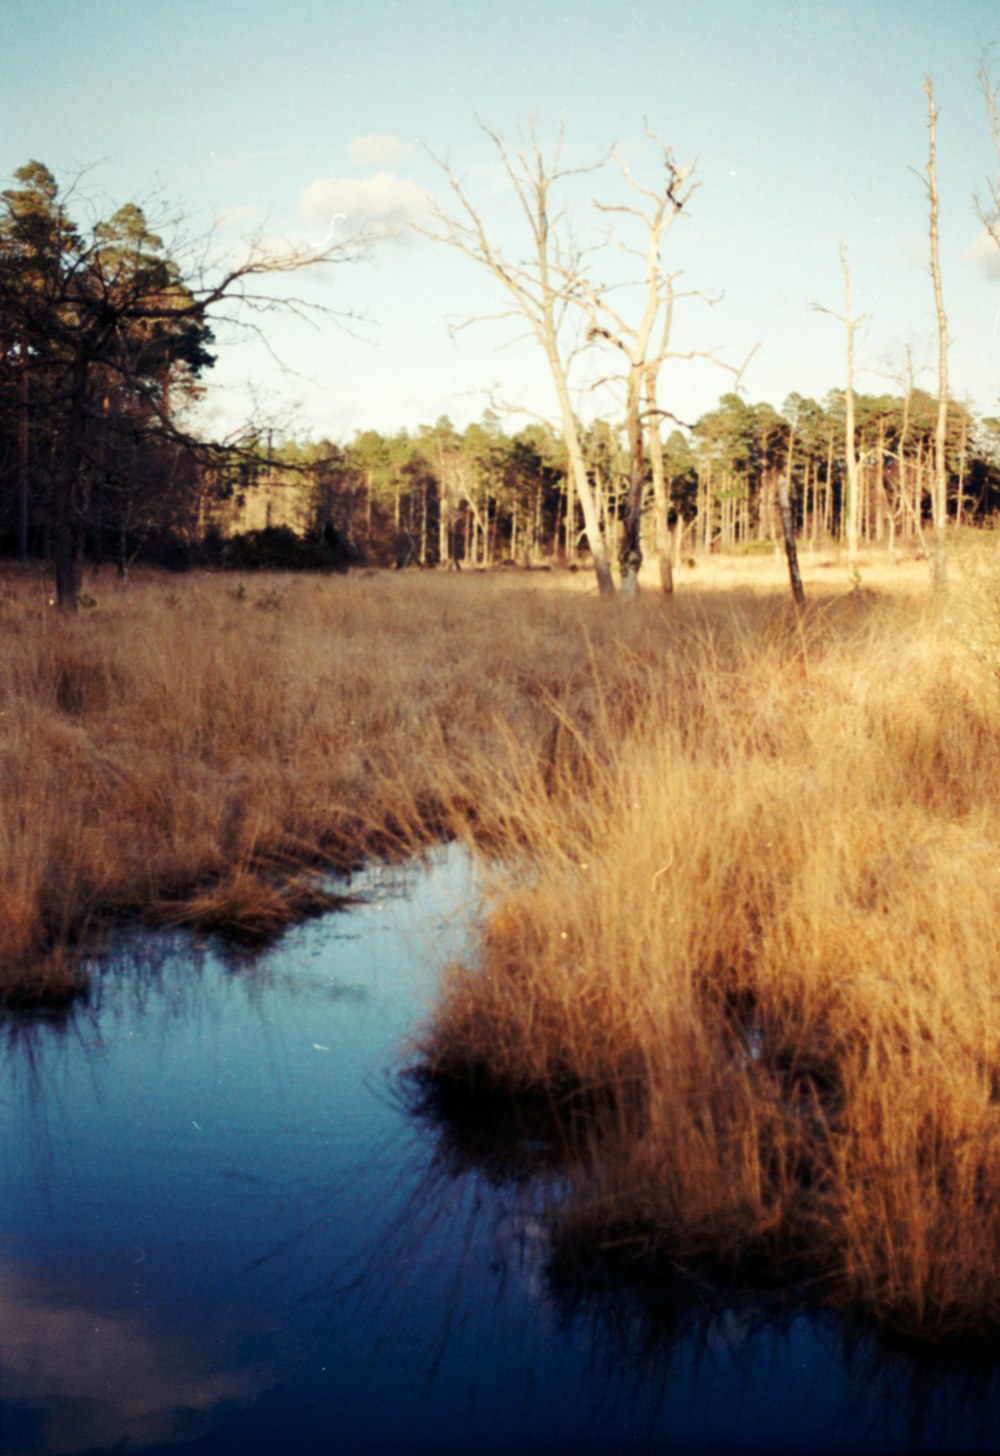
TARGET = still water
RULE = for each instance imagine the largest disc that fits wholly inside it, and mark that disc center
(221, 1230)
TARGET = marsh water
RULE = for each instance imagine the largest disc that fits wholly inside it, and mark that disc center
(224, 1228)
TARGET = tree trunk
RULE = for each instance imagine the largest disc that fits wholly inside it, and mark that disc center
(939, 499)
(661, 503)
(66, 486)
(851, 522)
(630, 549)
(788, 528)
(23, 449)
(577, 478)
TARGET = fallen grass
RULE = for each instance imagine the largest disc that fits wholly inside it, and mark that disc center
(746, 915)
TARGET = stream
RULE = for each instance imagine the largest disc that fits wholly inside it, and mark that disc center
(224, 1229)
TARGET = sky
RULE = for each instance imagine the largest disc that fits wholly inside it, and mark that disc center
(303, 121)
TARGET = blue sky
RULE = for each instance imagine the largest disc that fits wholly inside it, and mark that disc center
(804, 117)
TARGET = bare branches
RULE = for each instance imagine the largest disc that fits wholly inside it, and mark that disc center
(989, 210)
(645, 345)
(542, 288)
(115, 329)
(557, 279)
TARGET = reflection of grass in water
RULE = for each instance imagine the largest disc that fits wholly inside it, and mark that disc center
(665, 1341)
(648, 1323)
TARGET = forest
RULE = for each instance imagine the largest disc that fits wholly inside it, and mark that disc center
(105, 350)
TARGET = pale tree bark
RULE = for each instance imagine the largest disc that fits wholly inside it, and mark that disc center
(643, 369)
(850, 515)
(907, 510)
(537, 289)
(644, 360)
(665, 554)
(939, 498)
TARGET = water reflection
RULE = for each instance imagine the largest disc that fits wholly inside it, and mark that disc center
(78, 1375)
(671, 1355)
(227, 1219)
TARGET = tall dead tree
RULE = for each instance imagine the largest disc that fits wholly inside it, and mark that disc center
(989, 207)
(850, 515)
(939, 497)
(643, 367)
(646, 346)
(539, 288)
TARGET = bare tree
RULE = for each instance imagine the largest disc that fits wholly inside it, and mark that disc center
(642, 368)
(541, 288)
(939, 498)
(850, 447)
(644, 359)
(989, 208)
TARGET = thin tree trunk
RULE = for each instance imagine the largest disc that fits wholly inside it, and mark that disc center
(23, 449)
(939, 500)
(788, 529)
(66, 485)
(630, 550)
(661, 503)
(849, 442)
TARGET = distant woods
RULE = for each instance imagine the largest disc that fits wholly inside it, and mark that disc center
(105, 339)
(440, 496)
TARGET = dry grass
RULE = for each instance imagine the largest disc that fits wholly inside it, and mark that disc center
(748, 901)
(764, 938)
(186, 751)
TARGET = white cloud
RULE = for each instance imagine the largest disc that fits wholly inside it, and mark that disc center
(985, 252)
(381, 202)
(377, 149)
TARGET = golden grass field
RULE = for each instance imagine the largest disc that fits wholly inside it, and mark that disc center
(746, 898)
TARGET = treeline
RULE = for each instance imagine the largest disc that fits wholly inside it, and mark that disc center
(482, 496)
(105, 337)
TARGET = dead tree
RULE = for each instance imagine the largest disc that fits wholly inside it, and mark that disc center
(540, 289)
(939, 499)
(850, 447)
(644, 358)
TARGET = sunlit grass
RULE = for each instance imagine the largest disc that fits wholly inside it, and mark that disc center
(765, 939)
(185, 750)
